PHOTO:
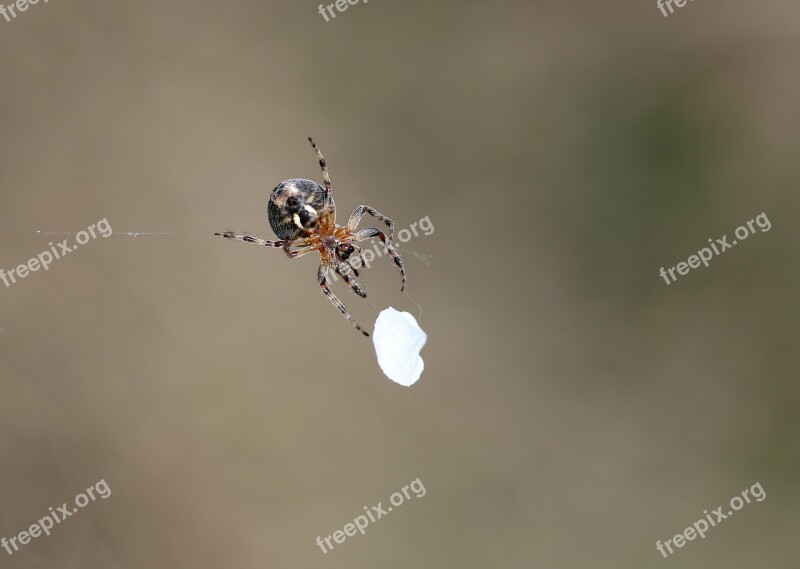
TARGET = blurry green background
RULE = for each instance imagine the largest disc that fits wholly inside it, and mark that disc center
(574, 408)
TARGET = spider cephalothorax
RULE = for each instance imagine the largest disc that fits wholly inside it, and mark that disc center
(302, 214)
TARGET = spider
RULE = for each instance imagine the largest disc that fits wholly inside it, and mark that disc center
(302, 214)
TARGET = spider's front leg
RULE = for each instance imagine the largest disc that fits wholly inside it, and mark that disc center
(326, 178)
(306, 245)
(303, 250)
(359, 212)
(322, 277)
(375, 232)
(250, 239)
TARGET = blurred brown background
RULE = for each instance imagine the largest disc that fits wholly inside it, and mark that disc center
(574, 408)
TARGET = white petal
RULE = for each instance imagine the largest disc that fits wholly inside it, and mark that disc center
(398, 340)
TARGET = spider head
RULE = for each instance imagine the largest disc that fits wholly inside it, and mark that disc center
(344, 250)
(294, 208)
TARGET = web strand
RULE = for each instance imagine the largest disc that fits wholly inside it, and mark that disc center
(120, 233)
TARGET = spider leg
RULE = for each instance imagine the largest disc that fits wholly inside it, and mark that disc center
(306, 244)
(351, 282)
(322, 277)
(304, 248)
(360, 256)
(356, 216)
(375, 232)
(360, 252)
(351, 267)
(250, 239)
(302, 251)
(326, 178)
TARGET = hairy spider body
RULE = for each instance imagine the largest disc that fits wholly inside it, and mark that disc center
(303, 216)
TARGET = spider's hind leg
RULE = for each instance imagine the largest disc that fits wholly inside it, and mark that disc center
(322, 277)
(360, 257)
(345, 274)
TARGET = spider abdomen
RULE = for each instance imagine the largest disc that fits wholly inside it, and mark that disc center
(294, 208)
